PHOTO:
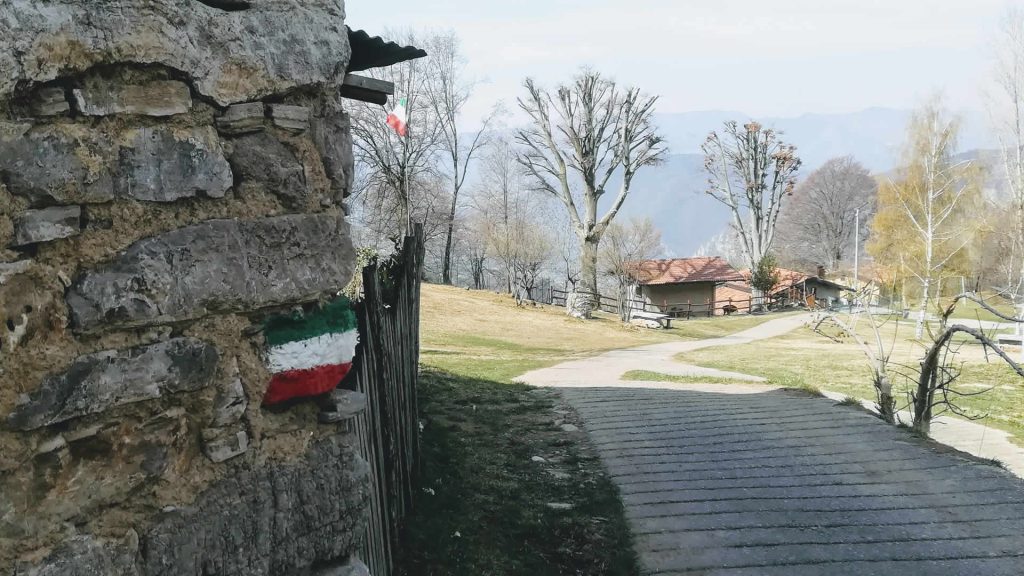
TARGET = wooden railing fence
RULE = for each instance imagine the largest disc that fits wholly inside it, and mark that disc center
(682, 310)
(387, 372)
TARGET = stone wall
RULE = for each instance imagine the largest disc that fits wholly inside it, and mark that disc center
(171, 172)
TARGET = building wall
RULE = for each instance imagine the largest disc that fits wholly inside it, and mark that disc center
(171, 174)
(670, 297)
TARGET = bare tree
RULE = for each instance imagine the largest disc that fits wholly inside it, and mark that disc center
(447, 93)
(817, 225)
(499, 199)
(935, 384)
(598, 130)
(877, 350)
(393, 165)
(750, 171)
(1008, 113)
(623, 245)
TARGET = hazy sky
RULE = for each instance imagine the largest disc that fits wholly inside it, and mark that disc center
(766, 58)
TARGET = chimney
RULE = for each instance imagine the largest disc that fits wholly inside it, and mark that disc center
(821, 271)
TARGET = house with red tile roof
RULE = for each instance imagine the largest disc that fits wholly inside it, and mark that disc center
(681, 285)
(793, 287)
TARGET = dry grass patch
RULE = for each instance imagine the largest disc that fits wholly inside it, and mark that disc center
(805, 359)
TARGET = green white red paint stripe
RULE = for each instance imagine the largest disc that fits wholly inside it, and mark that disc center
(309, 354)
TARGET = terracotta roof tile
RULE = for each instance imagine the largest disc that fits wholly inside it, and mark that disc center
(682, 270)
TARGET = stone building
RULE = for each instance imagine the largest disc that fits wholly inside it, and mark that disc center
(171, 173)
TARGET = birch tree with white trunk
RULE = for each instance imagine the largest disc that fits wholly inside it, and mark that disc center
(578, 139)
(751, 171)
(928, 205)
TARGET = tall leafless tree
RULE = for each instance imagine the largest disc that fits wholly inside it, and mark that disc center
(393, 164)
(817, 225)
(1008, 113)
(447, 93)
(623, 245)
(751, 171)
(595, 130)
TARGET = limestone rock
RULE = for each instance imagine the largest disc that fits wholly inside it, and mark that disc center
(220, 445)
(231, 402)
(264, 160)
(160, 166)
(231, 56)
(279, 519)
(353, 567)
(50, 102)
(242, 119)
(332, 135)
(292, 118)
(9, 270)
(155, 98)
(74, 164)
(340, 405)
(87, 556)
(47, 224)
(55, 164)
(96, 382)
(216, 266)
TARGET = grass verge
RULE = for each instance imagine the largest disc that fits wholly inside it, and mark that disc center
(804, 359)
(485, 505)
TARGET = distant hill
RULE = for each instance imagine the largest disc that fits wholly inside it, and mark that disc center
(672, 194)
(873, 136)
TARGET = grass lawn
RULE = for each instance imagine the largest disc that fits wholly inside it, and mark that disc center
(804, 359)
(486, 505)
(484, 502)
(970, 310)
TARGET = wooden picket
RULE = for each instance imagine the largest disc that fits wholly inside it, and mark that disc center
(387, 372)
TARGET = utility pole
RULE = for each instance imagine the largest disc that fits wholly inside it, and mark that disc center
(856, 253)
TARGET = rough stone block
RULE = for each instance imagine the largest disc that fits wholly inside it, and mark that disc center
(353, 567)
(236, 56)
(262, 159)
(77, 164)
(156, 98)
(161, 166)
(47, 224)
(332, 135)
(220, 445)
(279, 519)
(86, 556)
(96, 382)
(55, 164)
(341, 405)
(231, 402)
(216, 266)
(50, 102)
(242, 118)
(293, 118)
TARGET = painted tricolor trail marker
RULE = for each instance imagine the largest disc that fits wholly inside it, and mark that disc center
(309, 354)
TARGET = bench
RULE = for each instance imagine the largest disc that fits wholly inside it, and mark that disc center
(663, 320)
(1009, 339)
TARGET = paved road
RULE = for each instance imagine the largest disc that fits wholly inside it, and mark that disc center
(737, 480)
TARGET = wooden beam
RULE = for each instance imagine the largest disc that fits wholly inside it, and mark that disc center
(366, 89)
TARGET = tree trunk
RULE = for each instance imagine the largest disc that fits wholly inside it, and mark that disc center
(585, 298)
(446, 266)
(922, 309)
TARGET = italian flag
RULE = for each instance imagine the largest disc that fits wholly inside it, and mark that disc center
(309, 354)
(397, 118)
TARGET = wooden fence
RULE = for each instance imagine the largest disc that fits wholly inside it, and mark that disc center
(682, 310)
(387, 372)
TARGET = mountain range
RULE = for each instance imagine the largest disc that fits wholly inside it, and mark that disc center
(672, 193)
